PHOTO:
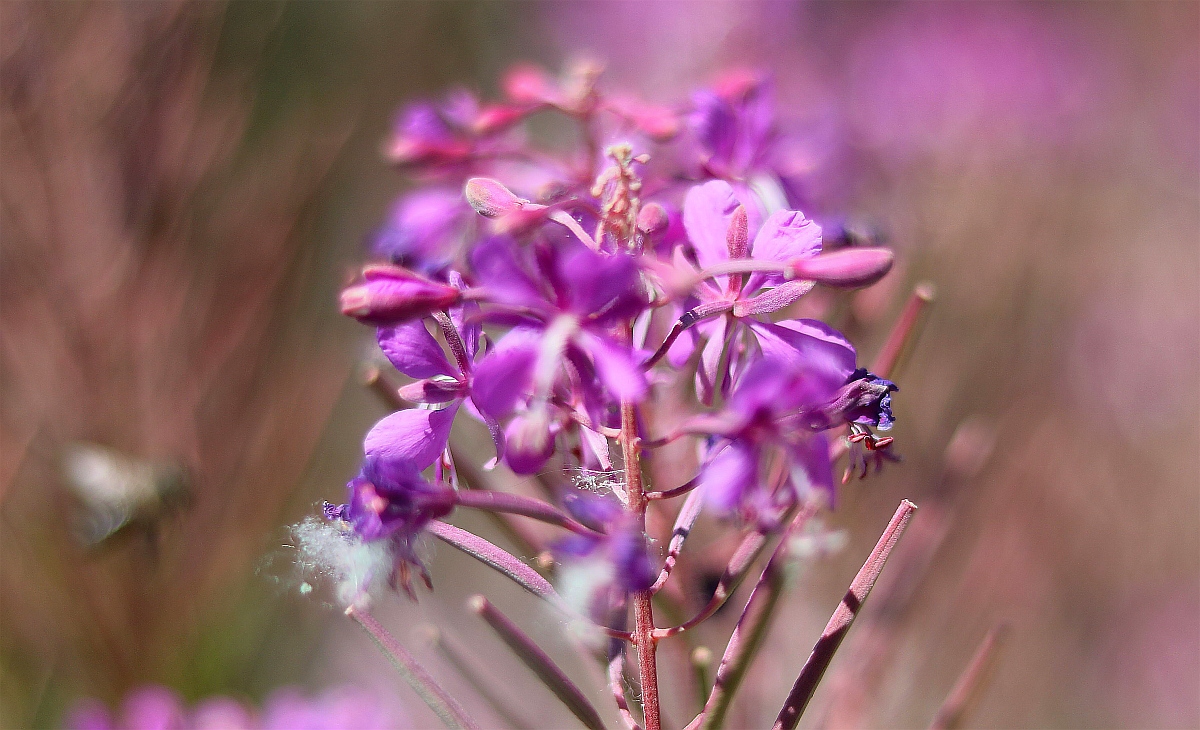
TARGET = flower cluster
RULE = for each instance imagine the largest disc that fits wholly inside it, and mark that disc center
(559, 300)
(598, 277)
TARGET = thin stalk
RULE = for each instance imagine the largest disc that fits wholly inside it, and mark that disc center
(519, 505)
(438, 699)
(751, 628)
(498, 559)
(971, 683)
(510, 567)
(743, 558)
(643, 611)
(839, 623)
(476, 677)
(683, 527)
(676, 491)
(616, 683)
(904, 332)
(538, 662)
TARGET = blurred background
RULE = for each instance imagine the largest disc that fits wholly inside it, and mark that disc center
(185, 187)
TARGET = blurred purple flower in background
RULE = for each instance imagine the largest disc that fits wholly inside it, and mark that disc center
(157, 708)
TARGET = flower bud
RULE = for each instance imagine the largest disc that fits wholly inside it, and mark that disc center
(496, 118)
(653, 219)
(528, 443)
(490, 198)
(391, 295)
(527, 84)
(848, 268)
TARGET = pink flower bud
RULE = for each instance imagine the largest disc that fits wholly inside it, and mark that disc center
(527, 84)
(528, 441)
(520, 220)
(848, 268)
(391, 295)
(497, 117)
(490, 198)
(653, 219)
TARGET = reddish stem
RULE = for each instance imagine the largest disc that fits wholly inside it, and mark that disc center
(643, 612)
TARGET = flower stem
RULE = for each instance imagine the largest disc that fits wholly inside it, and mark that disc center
(839, 623)
(439, 700)
(538, 662)
(643, 612)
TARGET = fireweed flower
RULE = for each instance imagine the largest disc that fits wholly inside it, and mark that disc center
(441, 137)
(565, 301)
(805, 383)
(599, 570)
(719, 230)
(426, 230)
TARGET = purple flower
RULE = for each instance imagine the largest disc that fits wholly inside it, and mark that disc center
(389, 497)
(780, 405)
(600, 568)
(734, 124)
(565, 301)
(425, 230)
(427, 135)
(719, 229)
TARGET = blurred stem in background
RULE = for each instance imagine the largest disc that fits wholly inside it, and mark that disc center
(177, 181)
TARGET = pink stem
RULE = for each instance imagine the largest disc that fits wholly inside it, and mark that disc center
(839, 623)
(518, 505)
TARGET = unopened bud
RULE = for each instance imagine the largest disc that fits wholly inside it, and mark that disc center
(528, 443)
(495, 118)
(521, 219)
(653, 219)
(391, 295)
(848, 268)
(490, 198)
(737, 238)
(527, 84)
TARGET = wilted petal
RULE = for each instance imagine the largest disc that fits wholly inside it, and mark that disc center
(416, 435)
(729, 475)
(503, 378)
(413, 351)
(615, 366)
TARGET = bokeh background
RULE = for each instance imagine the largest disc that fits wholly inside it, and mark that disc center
(186, 186)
